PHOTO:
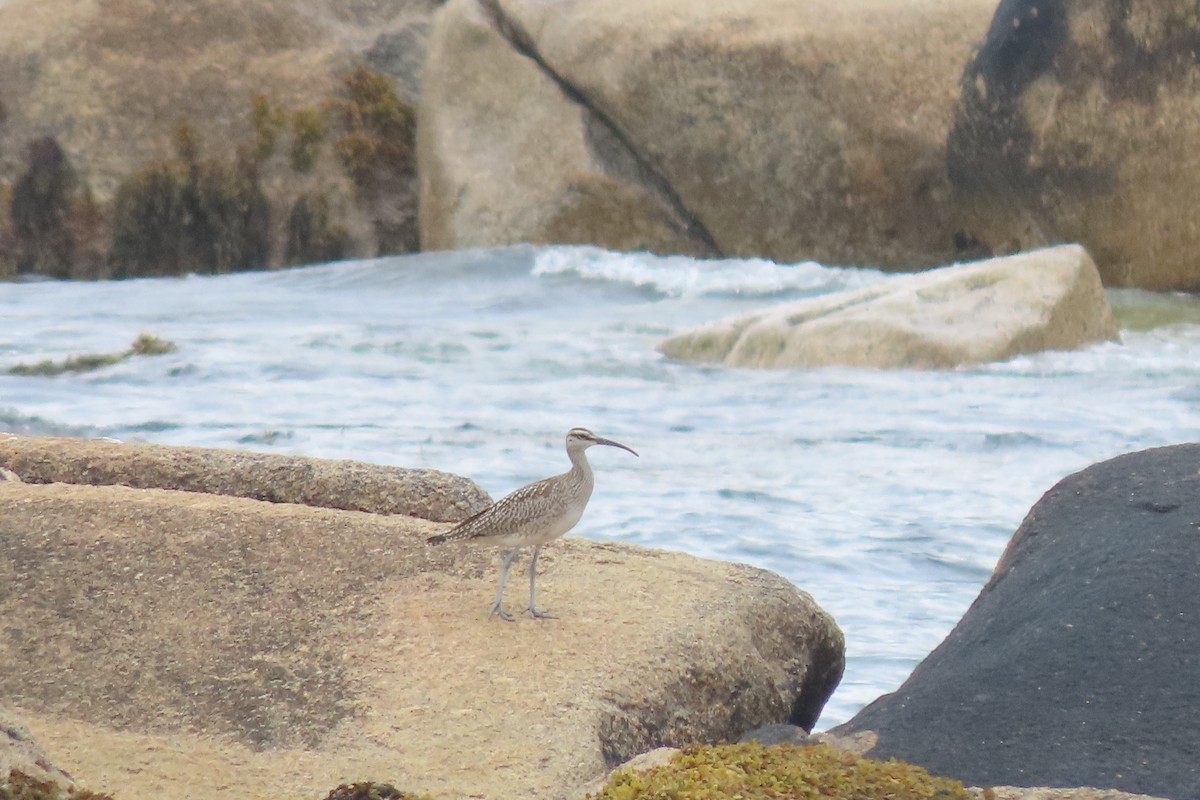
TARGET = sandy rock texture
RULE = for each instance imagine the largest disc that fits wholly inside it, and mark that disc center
(963, 314)
(348, 485)
(1078, 122)
(767, 128)
(158, 642)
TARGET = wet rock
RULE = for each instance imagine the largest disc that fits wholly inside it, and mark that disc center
(1075, 666)
(964, 314)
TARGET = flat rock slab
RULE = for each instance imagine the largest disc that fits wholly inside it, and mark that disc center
(348, 485)
(1077, 665)
(189, 644)
(973, 313)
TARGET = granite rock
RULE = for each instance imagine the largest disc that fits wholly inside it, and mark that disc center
(228, 647)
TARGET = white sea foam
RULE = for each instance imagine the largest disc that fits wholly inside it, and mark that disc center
(681, 276)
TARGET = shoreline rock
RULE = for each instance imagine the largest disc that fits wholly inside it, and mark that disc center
(963, 314)
(1076, 663)
(227, 647)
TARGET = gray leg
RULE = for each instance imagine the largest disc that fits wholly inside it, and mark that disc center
(506, 559)
(533, 612)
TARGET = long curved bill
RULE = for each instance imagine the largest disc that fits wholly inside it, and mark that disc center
(611, 443)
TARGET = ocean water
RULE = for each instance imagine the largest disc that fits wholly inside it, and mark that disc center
(886, 495)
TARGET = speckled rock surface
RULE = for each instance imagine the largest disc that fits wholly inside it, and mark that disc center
(203, 645)
(19, 751)
(347, 485)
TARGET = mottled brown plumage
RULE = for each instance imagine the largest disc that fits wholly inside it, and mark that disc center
(533, 515)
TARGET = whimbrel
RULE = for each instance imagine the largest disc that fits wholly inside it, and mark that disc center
(533, 516)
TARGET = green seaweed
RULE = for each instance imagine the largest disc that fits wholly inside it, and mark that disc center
(375, 141)
(752, 771)
(55, 227)
(144, 345)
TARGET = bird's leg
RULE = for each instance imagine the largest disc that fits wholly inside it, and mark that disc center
(533, 612)
(506, 559)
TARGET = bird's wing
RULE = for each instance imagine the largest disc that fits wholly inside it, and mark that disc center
(508, 515)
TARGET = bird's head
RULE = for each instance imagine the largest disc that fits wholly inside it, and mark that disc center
(581, 439)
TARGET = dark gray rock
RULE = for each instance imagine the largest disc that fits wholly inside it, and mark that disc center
(1077, 665)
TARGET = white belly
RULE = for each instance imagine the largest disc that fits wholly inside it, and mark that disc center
(540, 532)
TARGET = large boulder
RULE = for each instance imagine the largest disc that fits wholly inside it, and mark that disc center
(1078, 122)
(98, 99)
(1077, 663)
(200, 645)
(78, 71)
(964, 314)
(765, 128)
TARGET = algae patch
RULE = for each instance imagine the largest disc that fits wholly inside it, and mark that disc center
(752, 771)
(143, 345)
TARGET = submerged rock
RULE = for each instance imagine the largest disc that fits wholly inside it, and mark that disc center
(1076, 664)
(212, 646)
(964, 314)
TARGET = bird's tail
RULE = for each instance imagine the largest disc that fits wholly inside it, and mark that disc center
(441, 538)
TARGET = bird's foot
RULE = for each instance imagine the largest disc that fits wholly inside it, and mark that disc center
(504, 615)
(533, 612)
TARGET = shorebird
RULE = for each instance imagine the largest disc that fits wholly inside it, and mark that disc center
(532, 516)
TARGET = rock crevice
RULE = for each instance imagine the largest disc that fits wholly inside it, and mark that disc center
(609, 144)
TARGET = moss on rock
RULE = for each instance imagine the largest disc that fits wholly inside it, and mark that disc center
(19, 786)
(752, 772)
